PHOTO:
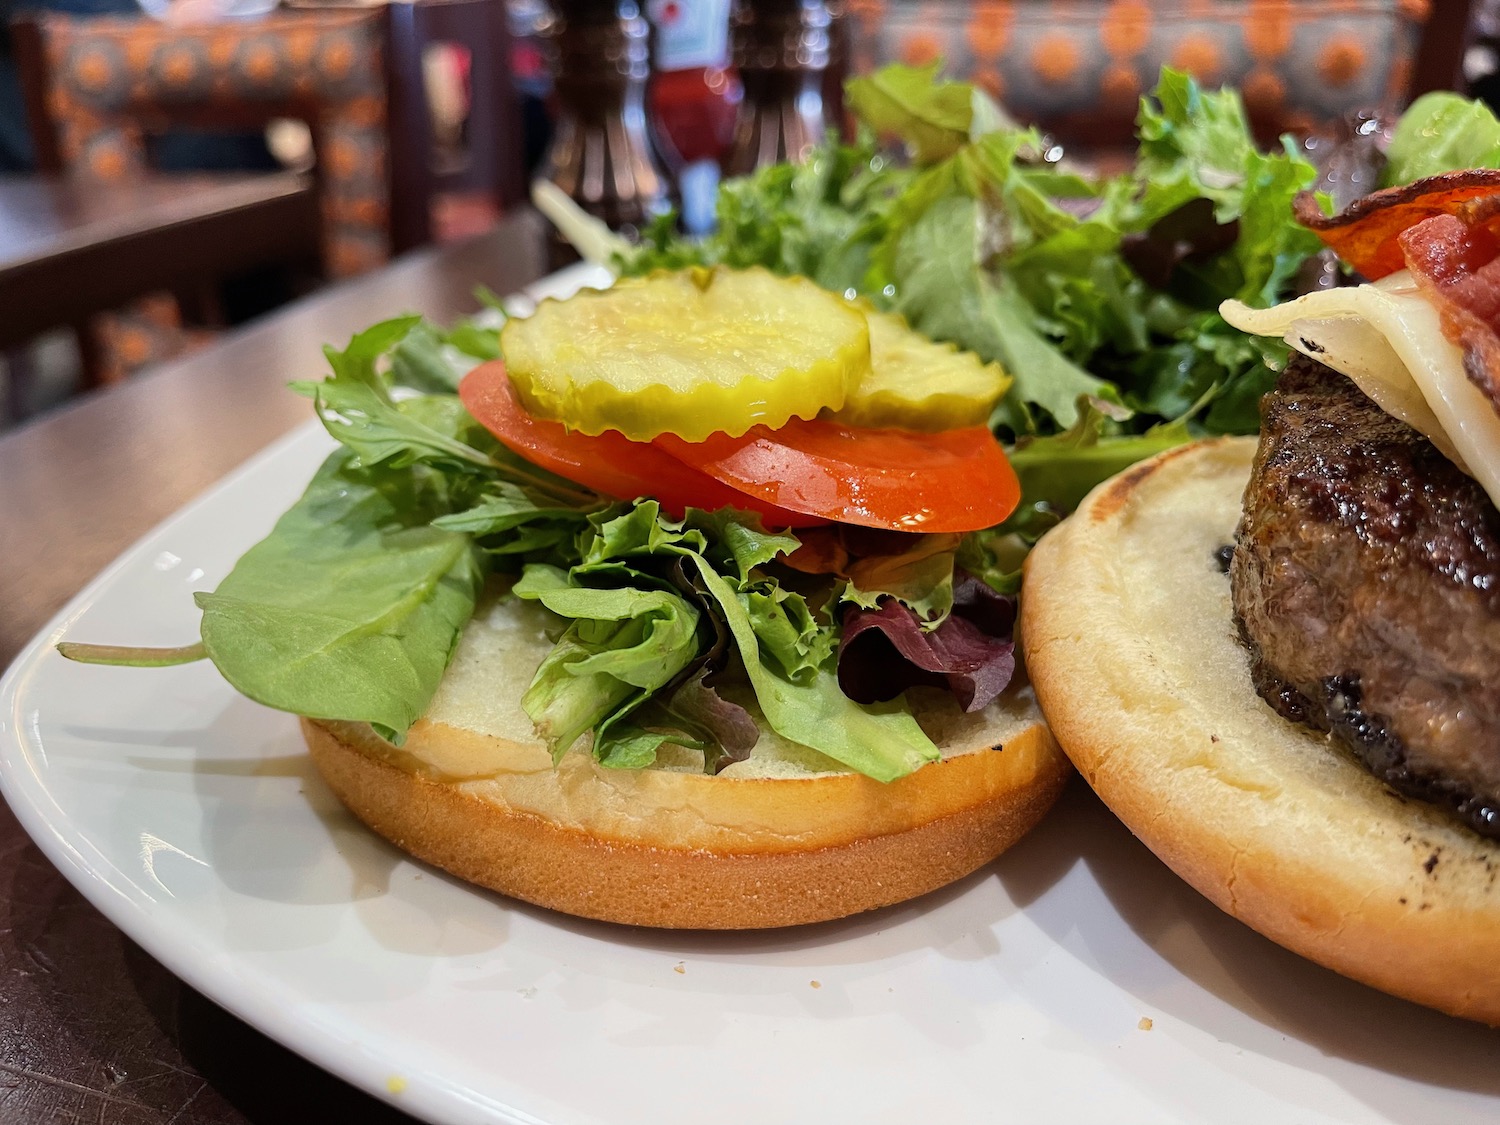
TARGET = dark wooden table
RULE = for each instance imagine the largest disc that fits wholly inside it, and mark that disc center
(70, 248)
(91, 1028)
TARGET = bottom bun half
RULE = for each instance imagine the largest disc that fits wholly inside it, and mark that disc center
(784, 838)
(1136, 661)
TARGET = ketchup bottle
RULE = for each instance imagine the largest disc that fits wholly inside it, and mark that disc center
(693, 97)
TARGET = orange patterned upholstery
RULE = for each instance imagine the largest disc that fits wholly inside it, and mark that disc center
(1078, 67)
(109, 75)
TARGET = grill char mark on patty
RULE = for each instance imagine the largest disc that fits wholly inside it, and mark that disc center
(1366, 583)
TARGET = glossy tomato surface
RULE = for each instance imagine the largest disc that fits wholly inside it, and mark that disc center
(608, 463)
(956, 480)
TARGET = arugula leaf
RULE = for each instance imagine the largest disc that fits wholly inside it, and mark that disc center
(378, 430)
(351, 607)
(431, 429)
(432, 359)
(1440, 132)
(504, 507)
(357, 361)
(476, 342)
(420, 363)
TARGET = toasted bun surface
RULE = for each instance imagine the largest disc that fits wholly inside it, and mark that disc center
(784, 838)
(1136, 660)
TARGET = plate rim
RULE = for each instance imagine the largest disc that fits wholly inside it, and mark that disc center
(263, 1004)
(367, 1069)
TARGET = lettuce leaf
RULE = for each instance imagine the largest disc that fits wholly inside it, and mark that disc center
(618, 667)
(977, 239)
(919, 577)
(943, 290)
(1196, 144)
(621, 645)
(1059, 470)
(885, 649)
(882, 741)
(353, 604)
(1440, 132)
(934, 118)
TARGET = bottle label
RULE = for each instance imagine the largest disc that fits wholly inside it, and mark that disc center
(690, 34)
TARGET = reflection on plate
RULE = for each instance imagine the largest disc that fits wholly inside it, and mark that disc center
(1073, 980)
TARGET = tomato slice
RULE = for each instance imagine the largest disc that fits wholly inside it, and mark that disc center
(956, 480)
(609, 463)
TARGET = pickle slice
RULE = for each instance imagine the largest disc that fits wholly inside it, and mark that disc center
(917, 384)
(692, 353)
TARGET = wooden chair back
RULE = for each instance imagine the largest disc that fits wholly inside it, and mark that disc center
(1078, 68)
(97, 86)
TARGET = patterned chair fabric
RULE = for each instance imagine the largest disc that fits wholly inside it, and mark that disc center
(107, 74)
(1078, 67)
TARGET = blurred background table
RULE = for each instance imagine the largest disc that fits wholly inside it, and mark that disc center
(91, 1028)
(70, 248)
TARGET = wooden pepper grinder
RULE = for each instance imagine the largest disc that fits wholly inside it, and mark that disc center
(602, 153)
(781, 50)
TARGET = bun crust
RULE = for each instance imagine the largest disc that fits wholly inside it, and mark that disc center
(1136, 661)
(676, 848)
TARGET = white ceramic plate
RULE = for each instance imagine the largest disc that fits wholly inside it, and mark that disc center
(1074, 980)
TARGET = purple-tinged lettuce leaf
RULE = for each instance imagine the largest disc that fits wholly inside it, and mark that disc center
(727, 731)
(972, 653)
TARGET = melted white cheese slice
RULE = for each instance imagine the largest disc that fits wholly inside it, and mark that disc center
(1388, 338)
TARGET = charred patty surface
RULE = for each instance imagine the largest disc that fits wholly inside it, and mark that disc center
(1366, 581)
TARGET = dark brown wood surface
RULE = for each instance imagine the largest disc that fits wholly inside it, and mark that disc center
(70, 248)
(91, 1028)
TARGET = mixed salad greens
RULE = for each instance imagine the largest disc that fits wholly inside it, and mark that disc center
(1098, 296)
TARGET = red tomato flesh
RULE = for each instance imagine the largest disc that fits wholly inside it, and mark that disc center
(803, 474)
(609, 463)
(957, 480)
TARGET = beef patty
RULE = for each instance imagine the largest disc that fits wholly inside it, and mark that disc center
(1366, 581)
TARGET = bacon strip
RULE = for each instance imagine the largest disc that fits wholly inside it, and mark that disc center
(1455, 260)
(1446, 231)
(1367, 233)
